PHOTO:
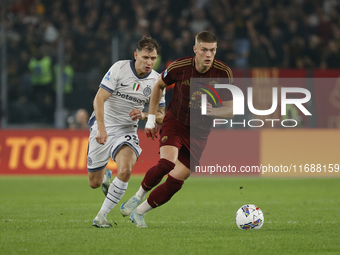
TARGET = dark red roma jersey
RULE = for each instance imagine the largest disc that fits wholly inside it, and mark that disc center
(180, 72)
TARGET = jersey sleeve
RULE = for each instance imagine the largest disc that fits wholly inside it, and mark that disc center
(110, 80)
(162, 102)
(168, 76)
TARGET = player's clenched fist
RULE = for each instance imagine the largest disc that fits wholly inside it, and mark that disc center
(137, 114)
(150, 127)
(101, 136)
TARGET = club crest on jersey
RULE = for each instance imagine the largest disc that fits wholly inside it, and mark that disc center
(89, 161)
(107, 77)
(136, 87)
(147, 91)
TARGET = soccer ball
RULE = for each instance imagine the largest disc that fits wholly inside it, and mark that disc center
(249, 217)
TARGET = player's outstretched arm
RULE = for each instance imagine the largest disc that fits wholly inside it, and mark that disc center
(160, 114)
(98, 106)
(156, 95)
(138, 114)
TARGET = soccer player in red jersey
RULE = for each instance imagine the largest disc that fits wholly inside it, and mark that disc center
(175, 137)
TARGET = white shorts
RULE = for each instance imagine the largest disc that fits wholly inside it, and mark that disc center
(98, 155)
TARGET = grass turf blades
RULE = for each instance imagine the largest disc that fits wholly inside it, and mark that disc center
(53, 215)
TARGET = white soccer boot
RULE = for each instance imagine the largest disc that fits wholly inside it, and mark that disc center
(129, 206)
(101, 222)
(138, 219)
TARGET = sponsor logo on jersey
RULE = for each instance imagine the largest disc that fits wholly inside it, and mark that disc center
(107, 77)
(147, 91)
(124, 85)
(131, 98)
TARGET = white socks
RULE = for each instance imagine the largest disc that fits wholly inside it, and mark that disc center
(115, 193)
(143, 208)
(141, 193)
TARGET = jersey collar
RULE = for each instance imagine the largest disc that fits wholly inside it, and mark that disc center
(132, 65)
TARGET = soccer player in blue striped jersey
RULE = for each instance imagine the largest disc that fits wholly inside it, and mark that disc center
(118, 106)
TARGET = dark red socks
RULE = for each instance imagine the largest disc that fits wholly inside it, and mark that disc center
(164, 192)
(155, 174)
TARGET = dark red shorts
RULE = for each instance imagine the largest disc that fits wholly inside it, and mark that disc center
(190, 148)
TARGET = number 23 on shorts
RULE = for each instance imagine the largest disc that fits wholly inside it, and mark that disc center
(133, 137)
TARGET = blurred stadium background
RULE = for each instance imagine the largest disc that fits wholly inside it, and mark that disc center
(55, 53)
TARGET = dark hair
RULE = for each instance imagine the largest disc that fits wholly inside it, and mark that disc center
(149, 44)
(205, 36)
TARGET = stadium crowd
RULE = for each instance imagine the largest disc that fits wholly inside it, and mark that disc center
(257, 33)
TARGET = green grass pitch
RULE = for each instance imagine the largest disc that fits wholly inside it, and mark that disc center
(53, 215)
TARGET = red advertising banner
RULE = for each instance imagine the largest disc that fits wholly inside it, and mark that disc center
(58, 152)
(227, 153)
(277, 73)
(327, 97)
(326, 73)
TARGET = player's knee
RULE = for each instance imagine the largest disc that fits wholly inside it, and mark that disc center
(165, 166)
(94, 184)
(124, 174)
(173, 184)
